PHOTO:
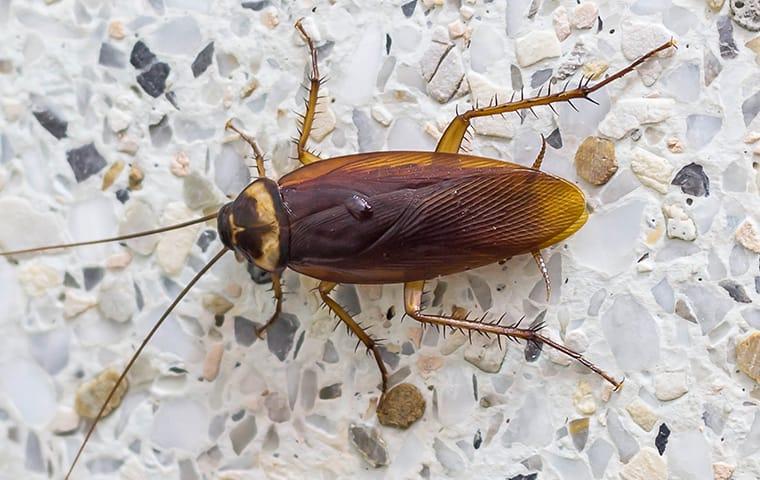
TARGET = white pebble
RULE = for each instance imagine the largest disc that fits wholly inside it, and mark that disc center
(536, 46)
(752, 137)
(561, 22)
(483, 92)
(77, 302)
(118, 119)
(584, 15)
(466, 12)
(670, 385)
(119, 260)
(174, 246)
(456, 29)
(629, 114)
(485, 354)
(37, 278)
(747, 237)
(652, 170)
(645, 465)
(382, 115)
(117, 299)
(180, 166)
(642, 414)
(65, 421)
(679, 223)
(138, 217)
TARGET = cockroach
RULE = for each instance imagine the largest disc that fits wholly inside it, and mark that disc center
(395, 217)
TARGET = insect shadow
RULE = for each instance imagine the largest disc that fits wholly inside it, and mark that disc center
(394, 217)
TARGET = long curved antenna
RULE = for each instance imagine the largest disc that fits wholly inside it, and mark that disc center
(138, 352)
(113, 239)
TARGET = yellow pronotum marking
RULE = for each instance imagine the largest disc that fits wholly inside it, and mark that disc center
(270, 239)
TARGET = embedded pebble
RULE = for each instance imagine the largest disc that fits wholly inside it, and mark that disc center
(583, 398)
(748, 237)
(180, 166)
(483, 92)
(715, 5)
(382, 115)
(561, 22)
(652, 170)
(281, 335)
(199, 192)
(670, 385)
(642, 414)
(174, 246)
(85, 161)
(216, 304)
(138, 217)
(116, 30)
(370, 444)
(661, 440)
(486, 354)
(52, 123)
(746, 13)
(679, 223)
(639, 38)
(117, 299)
(631, 113)
(748, 356)
(77, 302)
(693, 180)
(645, 465)
(119, 260)
(701, 129)
(65, 421)
(726, 43)
(578, 430)
(92, 394)
(401, 406)
(135, 178)
(585, 15)
(735, 290)
(37, 278)
(112, 174)
(723, 471)
(536, 46)
(202, 60)
(595, 160)
(213, 361)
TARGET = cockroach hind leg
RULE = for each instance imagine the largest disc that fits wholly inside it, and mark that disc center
(278, 294)
(544, 272)
(353, 327)
(412, 304)
(540, 158)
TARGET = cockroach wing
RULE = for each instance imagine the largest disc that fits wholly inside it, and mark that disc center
(400, 216)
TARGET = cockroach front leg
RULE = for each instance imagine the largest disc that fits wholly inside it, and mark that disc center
(277, 290)
(413, 302)
(324, 292)
(257, 154)
(451, 141)
(307, 121)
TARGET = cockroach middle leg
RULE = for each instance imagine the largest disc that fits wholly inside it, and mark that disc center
(540, 158)
(324, 292)
(451, 141)
(307, 121)
(544, 271)
(277, 291)
(258, 155)
(413, 307)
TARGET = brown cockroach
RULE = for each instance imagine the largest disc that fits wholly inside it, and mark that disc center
(395, 217)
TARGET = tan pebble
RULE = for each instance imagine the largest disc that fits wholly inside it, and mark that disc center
(270, 17)
(645, 465)
(37, 278)
(754, 45)
(675, 145)
(427, 364)
(76, 303)
(642, 414)
(233, 290)
(752, 137)
(583, 398)
(456, 29)
(607, 391)
(92, 394)
(12, 108)
(715, 5)
(112, 174)
(595, 69)
(216, 304)
(116, 30)
(723, 471)
(128, 145)
(748, 356)
(747, 237)
(432, 130)
(392, 347)
(136, 177)
(401, 406)
(119, 260)
(561, 23)
(595, 160)
(180, 166)
(584, 15)
(249, 88)
(212, 361)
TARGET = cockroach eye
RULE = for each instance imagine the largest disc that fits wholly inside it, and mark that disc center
(358, 207)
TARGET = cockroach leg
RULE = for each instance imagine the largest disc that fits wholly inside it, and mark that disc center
(537, 162)
(542, 267)
(324, 292)
(307, 120)
(451, 141)
(256, 150)
(277, 291)
(413, 302)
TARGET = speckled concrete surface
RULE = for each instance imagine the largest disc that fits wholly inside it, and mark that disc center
(113, 119)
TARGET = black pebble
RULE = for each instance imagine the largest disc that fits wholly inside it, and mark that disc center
(662, 438)
(245, 331)
(85, 161)
(69, 281)
(52, 123)
(331, 391)
(388, 43)
(530, 476)
(141, 55)
(693, 180)
(203, 60)
(258, 275)
(255, 5)
(478, 440)
(408, 8)
(735, 290)
(111, 56)
(555, 139)
(205, 239)
(153, 80)
(92, 276)
(122, 195)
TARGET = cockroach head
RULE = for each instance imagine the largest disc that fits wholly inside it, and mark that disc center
(255, 225)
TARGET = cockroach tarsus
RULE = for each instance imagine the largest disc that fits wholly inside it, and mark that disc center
(395, 217)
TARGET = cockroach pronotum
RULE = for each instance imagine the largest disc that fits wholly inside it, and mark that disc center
(395, 217)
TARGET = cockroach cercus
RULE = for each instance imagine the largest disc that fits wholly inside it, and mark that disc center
(396, 217)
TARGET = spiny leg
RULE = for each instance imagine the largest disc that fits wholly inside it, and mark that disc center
(413, 302)
(256, 150)
(277, 290)
(307, 121)
(540, 158)
(324, 291)
(451, 141)
(544, 271)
